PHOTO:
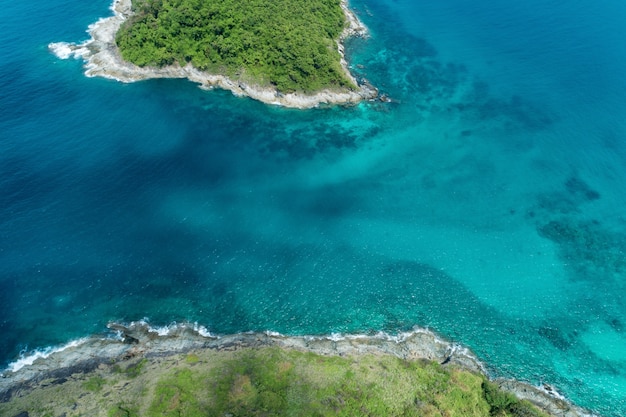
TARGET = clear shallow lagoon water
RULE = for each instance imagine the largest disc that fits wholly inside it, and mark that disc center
(486, 203)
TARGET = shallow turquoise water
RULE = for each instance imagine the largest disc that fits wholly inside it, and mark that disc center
(485, 203)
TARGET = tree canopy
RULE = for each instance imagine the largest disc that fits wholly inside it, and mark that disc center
(288, 44)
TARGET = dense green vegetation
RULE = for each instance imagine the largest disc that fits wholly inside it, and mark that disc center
(272, 382)
(290, 44)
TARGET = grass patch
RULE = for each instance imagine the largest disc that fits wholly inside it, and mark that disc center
(181, 394)
(94, 384)
(505, 404)
(192, 358)
(122, 410)
(131, 371)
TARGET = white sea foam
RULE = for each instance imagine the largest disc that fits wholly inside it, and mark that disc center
(62, 50)
(66, 50)
(335, 337)
(160, 330)
(117, 335)
(201, 330)
(381, 335)
(551, 391)
(29, 358)
(172, 328)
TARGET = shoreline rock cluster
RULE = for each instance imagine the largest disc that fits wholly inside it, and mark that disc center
(104, 60)
(138, 340)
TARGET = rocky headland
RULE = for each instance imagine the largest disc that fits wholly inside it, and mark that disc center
(80, 369)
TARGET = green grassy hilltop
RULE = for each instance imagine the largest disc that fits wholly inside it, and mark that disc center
(288, 44)
(269, 381)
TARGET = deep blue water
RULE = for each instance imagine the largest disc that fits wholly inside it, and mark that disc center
(486, 203)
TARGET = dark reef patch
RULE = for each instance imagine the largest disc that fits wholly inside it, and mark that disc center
(555, 336)
(617, 325)
(308, 141)
(579, 189)
(574, 194)
(592, 252)
(407, 69)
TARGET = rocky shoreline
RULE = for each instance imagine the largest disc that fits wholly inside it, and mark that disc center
(103, 60)
(139, 341)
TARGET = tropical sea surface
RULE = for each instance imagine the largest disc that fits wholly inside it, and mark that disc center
(486, 202)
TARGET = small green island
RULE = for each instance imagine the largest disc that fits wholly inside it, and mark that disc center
(283, 52)
(288, 44)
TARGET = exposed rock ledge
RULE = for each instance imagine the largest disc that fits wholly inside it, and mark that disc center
(139, 340)
(103, 60)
